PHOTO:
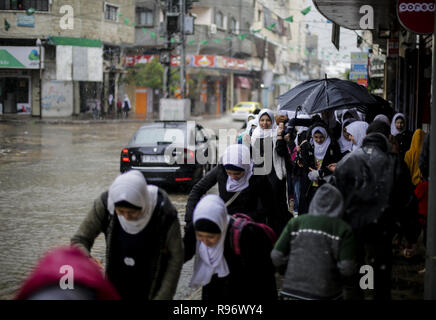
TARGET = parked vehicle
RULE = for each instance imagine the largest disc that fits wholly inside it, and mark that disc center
(241, 110)
(170, 153)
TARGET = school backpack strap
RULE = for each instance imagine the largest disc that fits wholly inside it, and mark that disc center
(107, 217)
(233, 198)
(239, 221)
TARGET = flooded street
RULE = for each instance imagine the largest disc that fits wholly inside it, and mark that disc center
(49, 176)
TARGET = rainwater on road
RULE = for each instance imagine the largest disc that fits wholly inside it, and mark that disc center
(50, 174)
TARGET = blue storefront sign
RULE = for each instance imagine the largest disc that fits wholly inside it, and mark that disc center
(24, 20)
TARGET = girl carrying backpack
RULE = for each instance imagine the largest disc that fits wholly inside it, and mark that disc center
(218, 268)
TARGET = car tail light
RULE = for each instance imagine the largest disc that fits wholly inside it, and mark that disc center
(125, 150)
(183, 179)
(125, 159)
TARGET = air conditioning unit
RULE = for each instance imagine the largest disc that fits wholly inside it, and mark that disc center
(212, 29)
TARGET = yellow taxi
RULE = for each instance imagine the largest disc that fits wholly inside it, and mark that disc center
(241, 110)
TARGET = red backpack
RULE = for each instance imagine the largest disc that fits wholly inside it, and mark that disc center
(240, 220)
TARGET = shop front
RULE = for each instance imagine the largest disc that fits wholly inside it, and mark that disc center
(17, 66)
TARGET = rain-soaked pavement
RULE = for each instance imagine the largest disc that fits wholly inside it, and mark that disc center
(50, 173)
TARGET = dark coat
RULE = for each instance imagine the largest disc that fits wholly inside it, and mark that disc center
(251, 276)
(404, 140)
(255, 200)
(377, 187)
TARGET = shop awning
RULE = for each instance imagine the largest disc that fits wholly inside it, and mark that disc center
(76, 42)
(346, 13)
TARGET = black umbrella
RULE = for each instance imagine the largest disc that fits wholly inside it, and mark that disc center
(324, 94)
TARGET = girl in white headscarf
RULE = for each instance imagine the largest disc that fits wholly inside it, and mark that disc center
(141, 227)
(401, 134)
(268, 131)
(317, 158)
(238, 186)
(217, 268)
(344, 142)
(130, 190)
(357, 132)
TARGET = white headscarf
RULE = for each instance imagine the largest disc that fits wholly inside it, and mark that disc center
(126, 98)
(209, 261)
(358, 130)
(132, 187)
(279, 162)
(239, 156)
(263, 133)
(382, 117)
(344, 144)
(394, 130)
(321, 149)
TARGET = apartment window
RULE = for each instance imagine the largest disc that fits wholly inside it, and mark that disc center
(110, 12)
(38, 5)
(219, 19)
(234, 25)
(144, 17)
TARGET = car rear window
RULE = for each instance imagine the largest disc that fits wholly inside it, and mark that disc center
(245, 105)
(156, 136)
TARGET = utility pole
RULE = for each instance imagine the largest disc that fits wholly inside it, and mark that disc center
(182, 6)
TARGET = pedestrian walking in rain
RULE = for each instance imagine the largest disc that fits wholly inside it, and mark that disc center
(412, 156)
(242, 191)
(264, 145)
(317, 249)
(110, 101)
(318, 155)
(378, 196)
(356, 133)
(222, 274)
(46, 280)
(401, 134)
(345, 143)
(119, 108)
(126, 106)
(246, 136)
(144, 249)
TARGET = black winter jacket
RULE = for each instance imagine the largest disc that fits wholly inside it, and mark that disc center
(254, 201)
(333, 154)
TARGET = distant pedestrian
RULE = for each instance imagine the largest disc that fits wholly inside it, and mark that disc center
(110, 101)
(218, 269)
(401, 134)
(317, 249)
(126, 105)
(44, 283)
(119, 108)
(144, 250)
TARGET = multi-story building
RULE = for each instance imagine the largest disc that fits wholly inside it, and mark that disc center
(80, 43)
(240, 50)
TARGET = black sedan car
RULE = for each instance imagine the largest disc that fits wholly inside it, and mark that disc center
(170, 153)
